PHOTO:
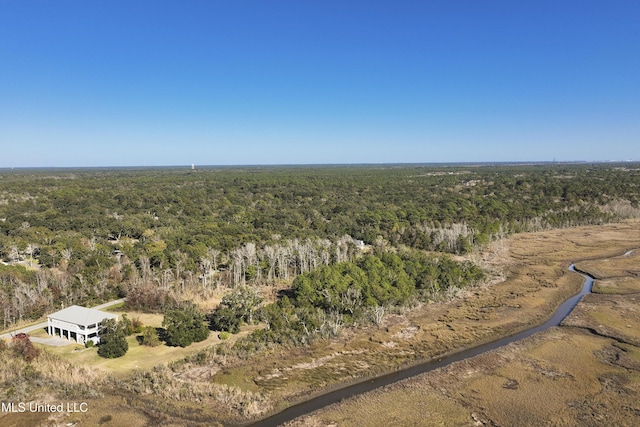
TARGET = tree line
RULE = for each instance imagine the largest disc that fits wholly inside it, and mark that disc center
(157, 235)
(323, 301)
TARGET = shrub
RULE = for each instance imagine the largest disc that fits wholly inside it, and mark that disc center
(150, 337)
(127, 325)
(23, 347)
(105, 419)
(89, 344)
(137, 325)
(224, 335)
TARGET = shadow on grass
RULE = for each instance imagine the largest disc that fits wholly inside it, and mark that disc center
(162, 334)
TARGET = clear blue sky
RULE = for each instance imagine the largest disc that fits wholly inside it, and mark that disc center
(123, 83)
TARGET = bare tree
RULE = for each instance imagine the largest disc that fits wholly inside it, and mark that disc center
(325, 247)
(14, 254)
(213, 254)
(284, 259)
(66, 254)
(205, 268)
(180, 260)
(167, 278)
(377, 314)
(92, 243)
(30, 250)
(351, 299)
(335, 321)
(237, 267)
(270, 253)
(145, 268)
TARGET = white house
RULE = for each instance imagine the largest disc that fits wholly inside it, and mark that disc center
(77, 323)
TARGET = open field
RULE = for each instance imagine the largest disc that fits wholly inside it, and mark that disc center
(586, 372)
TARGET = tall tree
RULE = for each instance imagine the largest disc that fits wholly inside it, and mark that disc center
(113, 339)
(184, 326)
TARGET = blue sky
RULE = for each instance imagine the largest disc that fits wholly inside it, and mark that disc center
(125, 83)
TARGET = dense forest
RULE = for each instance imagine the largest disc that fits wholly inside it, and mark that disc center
(162, 236)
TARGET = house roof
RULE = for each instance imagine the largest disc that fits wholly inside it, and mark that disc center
(81, 315)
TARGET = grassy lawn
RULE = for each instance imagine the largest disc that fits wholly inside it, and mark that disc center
(138, 356)
(147, 319)
(114, 308)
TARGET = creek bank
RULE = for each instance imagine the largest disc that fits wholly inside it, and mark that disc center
(370, 384)
(585, 372)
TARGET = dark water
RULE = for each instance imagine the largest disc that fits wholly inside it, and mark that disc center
(371, 384)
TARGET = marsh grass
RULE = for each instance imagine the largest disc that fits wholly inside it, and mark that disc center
(621, 286)
(621, 266)
(563, 376)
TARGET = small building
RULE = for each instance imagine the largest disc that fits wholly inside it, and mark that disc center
(77, 323)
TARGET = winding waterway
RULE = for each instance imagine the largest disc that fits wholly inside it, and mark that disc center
(329, 398)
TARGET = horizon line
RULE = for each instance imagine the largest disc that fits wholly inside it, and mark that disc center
(193, 166)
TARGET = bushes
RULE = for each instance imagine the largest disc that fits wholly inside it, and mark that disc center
(150, 337)
(127, 326)
(137, 325)
(131, 326)
(23, 347)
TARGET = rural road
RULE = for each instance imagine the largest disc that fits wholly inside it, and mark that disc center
(56, 341)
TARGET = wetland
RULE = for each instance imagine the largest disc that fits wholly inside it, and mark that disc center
(583, 372)
(316, 279)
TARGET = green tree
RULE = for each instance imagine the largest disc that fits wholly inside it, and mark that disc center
(226, 320)
(113, 339)
(184, 326)
(244, 301)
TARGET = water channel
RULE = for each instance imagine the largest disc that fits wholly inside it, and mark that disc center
(332, 397)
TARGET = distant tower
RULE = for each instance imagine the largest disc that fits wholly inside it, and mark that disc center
(193, 166)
